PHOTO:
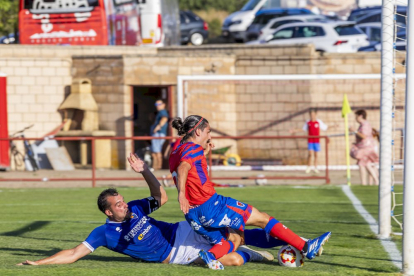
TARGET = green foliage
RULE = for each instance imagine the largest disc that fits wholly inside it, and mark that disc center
(214, 27)
(37, 223)
(8, 16)
(222, 5)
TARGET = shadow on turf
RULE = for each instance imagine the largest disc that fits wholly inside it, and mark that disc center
(27, 228)
(46, 253)
(354, 267)
(353, 256)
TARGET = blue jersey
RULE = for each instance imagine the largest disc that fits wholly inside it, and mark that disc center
(140, 237)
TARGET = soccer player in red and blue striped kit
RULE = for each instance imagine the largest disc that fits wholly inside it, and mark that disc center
(210, 214)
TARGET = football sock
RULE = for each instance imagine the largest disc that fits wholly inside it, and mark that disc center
(277, 230)
(224, 248)
(244, 255)
(259, 238)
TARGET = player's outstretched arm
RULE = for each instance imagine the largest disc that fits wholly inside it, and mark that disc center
(182, 174)
(63, 257)
(156, 190)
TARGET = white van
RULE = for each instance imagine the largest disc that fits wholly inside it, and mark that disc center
(160, 22)
(236, 24)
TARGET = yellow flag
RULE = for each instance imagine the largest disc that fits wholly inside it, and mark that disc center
(346, 109)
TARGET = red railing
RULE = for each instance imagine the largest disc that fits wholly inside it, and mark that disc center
(94, 178)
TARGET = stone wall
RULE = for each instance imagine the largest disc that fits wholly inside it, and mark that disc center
(38, 78)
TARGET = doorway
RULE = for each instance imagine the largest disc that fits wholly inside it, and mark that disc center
(144, 112)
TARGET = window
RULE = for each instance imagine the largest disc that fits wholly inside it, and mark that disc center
(372, 18)
(263, 19)
(250, 5)
(284, 33)
(192, 16)
(375, 34)
(56, 5)
(271, 4)
(364, 29)
(347, 30)
(280, 23)
(182, 18)
(309, 31)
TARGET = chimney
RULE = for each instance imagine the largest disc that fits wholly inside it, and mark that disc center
(80, 108)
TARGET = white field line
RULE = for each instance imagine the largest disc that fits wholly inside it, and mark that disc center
(388, 244)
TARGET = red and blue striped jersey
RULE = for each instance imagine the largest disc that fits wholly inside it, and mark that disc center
(198, 188)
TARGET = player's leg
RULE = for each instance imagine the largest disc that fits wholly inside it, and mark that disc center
(310, 150)
(259, 238)
(276, 229)
(244, 255)
(222, 240)
(316, 149)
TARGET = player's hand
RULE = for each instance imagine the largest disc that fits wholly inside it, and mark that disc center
(184, 204)
(210, 145)
(351, 129)
(136, 164)
(27, 262)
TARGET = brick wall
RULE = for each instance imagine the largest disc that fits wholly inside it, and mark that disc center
(39, 76)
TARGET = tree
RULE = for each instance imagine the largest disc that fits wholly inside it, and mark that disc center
(221, 5)
(9, 10)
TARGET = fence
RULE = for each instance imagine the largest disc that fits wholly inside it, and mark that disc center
(237, 139)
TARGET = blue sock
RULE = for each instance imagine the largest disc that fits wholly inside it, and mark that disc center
(244, 255)
(259, 238)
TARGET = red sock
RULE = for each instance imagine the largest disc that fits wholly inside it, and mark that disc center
(222, 248)
(277, 230)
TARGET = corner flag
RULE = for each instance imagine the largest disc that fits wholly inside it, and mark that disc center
(346, 109)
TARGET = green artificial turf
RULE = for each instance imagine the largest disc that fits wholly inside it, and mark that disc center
(37, 223)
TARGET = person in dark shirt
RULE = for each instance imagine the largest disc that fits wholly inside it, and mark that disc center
(158, 129)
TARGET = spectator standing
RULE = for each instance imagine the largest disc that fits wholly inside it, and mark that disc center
(313, 127)
(364, 149)
(158, 129)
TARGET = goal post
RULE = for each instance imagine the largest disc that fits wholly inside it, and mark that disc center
(387, 65)
(408, 202)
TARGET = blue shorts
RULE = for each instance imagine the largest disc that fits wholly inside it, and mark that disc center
(213, 217)
(156, 144)
(314, 146)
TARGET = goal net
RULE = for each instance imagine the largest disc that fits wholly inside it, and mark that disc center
(244, 106)
(398, 114)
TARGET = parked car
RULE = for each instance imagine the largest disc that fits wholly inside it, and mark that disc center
(8, 39)
(275, 23)
(376, 14)
(332, 37)
(264, 16)
(372, 30)
(400, 44)
(236, 24)
(358, 13)
(193, 28)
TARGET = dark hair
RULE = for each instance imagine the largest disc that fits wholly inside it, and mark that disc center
(361, 112)
(376, 134)
(186, 128)
(313, 109)
(103, 204)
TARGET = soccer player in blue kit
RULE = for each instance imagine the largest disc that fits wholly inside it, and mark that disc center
(129, 230)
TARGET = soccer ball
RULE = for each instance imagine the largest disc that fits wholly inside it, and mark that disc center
(290, 256)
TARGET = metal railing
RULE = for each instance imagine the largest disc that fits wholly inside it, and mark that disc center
(94, 178)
